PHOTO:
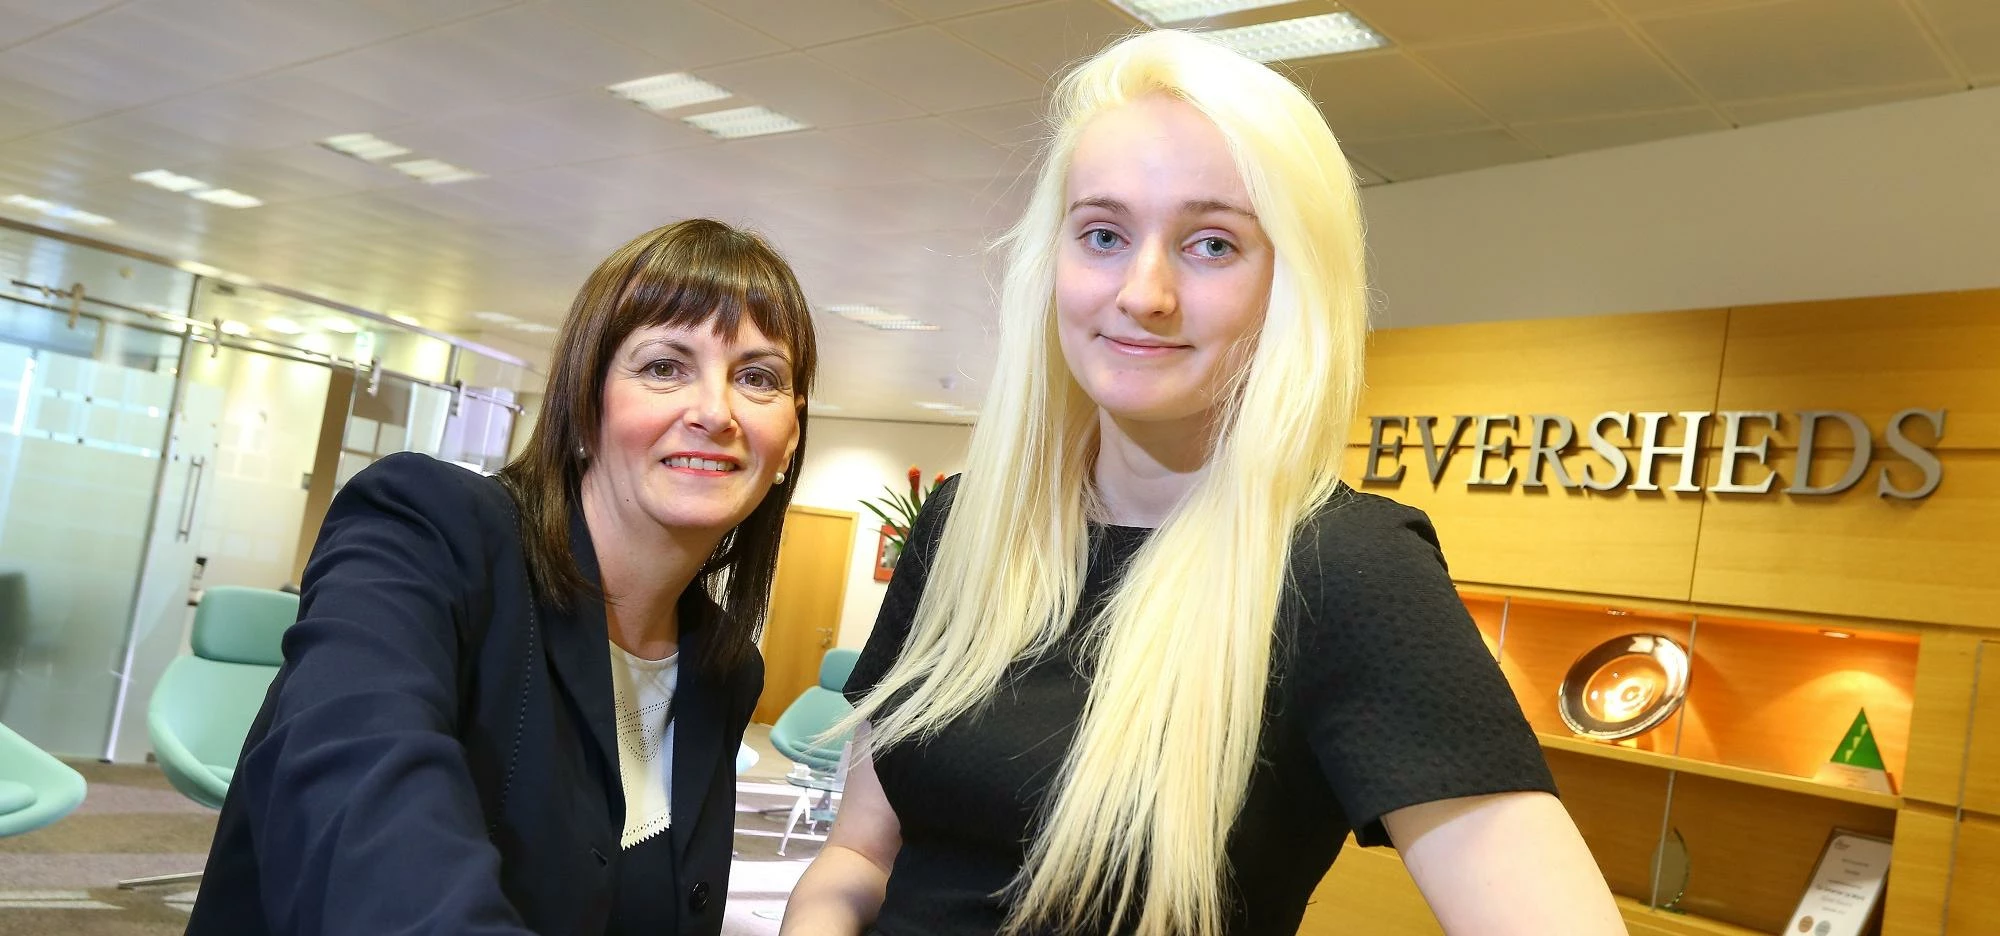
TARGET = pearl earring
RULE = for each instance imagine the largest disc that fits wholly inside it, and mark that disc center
(780, 479)
(581, 455)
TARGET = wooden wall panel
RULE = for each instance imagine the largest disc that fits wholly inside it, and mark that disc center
(1368, 890)
(1941, 705)
(1872, 357)
(1577, 367)
(1752, 849)
(1982, 751)
(1860, 554)
(1619, 543)
(1974, 902)
(1921, 863)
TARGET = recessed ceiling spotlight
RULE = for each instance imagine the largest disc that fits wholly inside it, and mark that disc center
(1163, 12)
(57, 210)
(228, 198)
(170, 181)
(1305, 37)
(364, 146)
(434, 171)
(667, 92)
(879, 318)
(739, 122)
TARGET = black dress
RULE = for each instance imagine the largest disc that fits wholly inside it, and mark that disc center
(1383, 696)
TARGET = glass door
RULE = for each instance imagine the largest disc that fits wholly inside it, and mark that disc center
(86, 386)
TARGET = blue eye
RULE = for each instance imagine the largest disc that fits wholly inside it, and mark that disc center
(1101, 239)
(1213, 248)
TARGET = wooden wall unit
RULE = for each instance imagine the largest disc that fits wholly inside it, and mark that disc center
(1755, 581)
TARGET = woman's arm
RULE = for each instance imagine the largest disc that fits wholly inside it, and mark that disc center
(357, 794)
(841, 892)
(1504, 864)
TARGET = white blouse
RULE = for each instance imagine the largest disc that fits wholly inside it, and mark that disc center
(643, 693)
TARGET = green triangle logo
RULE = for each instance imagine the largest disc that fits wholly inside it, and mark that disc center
(1857, 747)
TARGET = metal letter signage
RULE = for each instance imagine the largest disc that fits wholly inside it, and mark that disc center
(1823, 465)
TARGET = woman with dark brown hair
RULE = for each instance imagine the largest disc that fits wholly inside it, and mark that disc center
(513, 704)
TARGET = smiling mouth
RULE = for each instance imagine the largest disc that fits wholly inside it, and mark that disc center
(702, 465)
(1142, 348)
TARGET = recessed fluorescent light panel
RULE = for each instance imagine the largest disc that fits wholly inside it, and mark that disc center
(434, 171)
(228, 198)
(667, 92)
(533, 328)
(364, 146)
(879, 318)
(739, 122)
(57, 210)
(1163, 12)
(284, 326)
(1306, 37)
(170, 181)
(498, 318)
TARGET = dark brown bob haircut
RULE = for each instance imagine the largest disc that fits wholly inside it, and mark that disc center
(683, 275)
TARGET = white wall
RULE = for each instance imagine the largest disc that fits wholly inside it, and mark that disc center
(849, 459)
(1899, 198)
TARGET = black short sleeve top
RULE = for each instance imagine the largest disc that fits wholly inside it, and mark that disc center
(1383, 696)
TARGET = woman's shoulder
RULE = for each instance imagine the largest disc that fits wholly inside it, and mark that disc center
(1362, 550)
(450, 497)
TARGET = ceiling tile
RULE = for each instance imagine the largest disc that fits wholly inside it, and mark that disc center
(1383, 95)
(1971, 28)
(929, 68)
(539, 39)
(1019, 126)
(941, 9)
(27, 108)
(1419, 157)
(683, 33)
(1593, 133)
(70, 62)
(937, 149)
(818, 22)
(21, 20)
(1408, 23)
(569, 128)
(1809, 47)
(1552, 76)
(1044, 39)
(820, 156)
(1364, 175)
(804, 87)
(1766, 111)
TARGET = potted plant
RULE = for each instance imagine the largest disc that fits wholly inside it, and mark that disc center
(898, 512)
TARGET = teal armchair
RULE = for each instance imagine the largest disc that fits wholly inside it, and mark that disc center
(35, 788)
(203, 706)
(817, 709)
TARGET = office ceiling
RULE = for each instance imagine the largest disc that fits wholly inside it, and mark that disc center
(922, 113)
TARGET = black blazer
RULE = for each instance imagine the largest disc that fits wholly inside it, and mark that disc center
(438, 753)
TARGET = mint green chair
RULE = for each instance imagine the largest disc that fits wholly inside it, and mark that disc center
(203, 706)
(35, 788)
(813, 712)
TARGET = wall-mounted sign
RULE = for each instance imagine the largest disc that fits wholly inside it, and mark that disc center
(1549, 438)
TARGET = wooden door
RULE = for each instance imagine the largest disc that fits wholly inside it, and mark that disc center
(806, 601)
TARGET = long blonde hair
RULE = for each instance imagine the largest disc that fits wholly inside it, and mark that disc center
(1163, 755)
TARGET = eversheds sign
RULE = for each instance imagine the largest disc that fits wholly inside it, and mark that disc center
(1549, 438)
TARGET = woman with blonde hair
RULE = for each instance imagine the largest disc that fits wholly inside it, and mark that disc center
(1148, 662)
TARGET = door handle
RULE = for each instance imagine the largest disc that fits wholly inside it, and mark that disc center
(189, 493)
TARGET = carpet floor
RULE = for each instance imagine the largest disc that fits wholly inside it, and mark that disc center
(63, 879)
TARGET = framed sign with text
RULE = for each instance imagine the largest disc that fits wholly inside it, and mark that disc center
(1845, 888)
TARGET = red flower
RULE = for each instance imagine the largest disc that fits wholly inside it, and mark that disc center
(937, 480)
(916, 475)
